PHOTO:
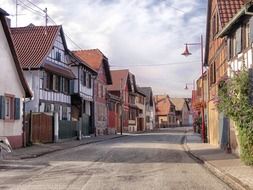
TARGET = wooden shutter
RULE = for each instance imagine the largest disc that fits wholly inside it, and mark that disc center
(228, 48)
(251, 30)
(62, 84)
(44, 80)
(2, 107)
(89, 81)
(17, 108)
(81, 77)
(71, 86)
(84, 78)
(239, 40)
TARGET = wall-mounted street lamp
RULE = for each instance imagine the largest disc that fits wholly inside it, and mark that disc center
(187, 53)
(189, 84)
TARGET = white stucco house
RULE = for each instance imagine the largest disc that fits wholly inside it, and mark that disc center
(149, 108)
(13, 88)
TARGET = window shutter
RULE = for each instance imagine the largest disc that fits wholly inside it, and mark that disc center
(228, 48)
(71, 86)
(2, 107)
(81, 77)
(239, 40)
(61, 84)
(17, 109)
(44, 80)
(84, 78)
(251, 30)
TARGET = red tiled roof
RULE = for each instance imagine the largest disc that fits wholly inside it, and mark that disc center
(38, 42)
(228, 8)
(117, 75)
(93, 57)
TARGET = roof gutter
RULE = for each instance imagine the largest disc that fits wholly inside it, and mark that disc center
(243, 11)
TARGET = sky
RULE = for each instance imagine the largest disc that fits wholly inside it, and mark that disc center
(145, 36)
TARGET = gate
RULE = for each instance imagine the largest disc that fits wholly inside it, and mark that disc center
(140, 124)
(67, 129)
(41, 128)
(224, 127)
(86, 125)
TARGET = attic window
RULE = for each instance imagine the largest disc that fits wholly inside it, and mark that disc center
(58, 56)
(215, 24)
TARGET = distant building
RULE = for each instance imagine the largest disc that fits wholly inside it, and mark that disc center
(149, 108)
(182, 111)
(165, 111)
(141, 113)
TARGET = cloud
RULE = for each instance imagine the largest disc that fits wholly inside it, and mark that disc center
(133, 32)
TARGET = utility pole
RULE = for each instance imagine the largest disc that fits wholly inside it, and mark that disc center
(121, 103)
(46, 20)
(16, 13)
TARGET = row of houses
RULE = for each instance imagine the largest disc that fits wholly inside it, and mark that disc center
(229, 38)
(48, 92)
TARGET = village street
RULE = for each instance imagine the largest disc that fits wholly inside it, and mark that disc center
(145, 161)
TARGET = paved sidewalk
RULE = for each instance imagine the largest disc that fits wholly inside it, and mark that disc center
(227, 167)
(41, 149)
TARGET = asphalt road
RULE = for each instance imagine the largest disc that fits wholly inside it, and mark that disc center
(136, 162)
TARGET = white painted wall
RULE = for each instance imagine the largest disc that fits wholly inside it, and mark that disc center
(9, 83)
(237, 63)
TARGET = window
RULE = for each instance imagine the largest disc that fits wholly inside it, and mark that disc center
(47, 107)
(56, 83)
(66, 86)
(47, 81)
(9, 107)
(215, 25)
(132, 114)
(64, 113)
(84, 82)
(102, 92)
(147, 119)
(58, 56)
(213, 73)
(89, 81)
(246, 35)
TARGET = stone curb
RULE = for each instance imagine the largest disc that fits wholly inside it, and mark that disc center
(62, 148)
(231, 181)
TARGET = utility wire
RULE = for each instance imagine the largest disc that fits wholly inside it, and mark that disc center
(154, 65)
(30, 8)
(41, 14)
(35, 5)
(67, 35)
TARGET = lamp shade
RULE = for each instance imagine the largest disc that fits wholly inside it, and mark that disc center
(186, 51)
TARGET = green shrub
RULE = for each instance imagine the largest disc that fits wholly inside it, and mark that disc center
(234, 101)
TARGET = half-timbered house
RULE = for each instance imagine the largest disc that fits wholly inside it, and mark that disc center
(43, 55)
(82, 98)
(99, 62)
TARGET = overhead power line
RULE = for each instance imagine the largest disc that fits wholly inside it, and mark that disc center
(155, 65)
(35, 5)
(30, 8)
(44, 14)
